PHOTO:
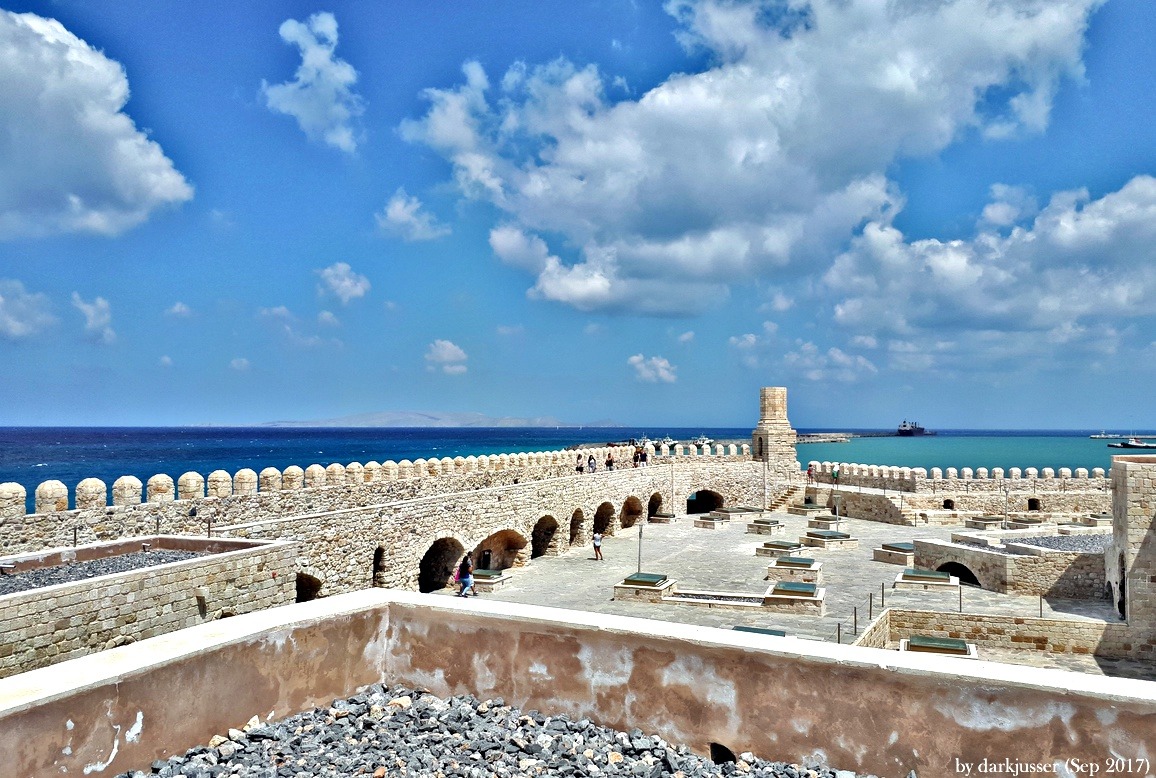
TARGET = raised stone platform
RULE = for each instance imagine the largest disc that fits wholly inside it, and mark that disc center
(829, 539)
(644, 587)
(1029, 523)
(807, 509)
(709, 523)
(825, 522)
(793, 568)
(778, 548)
(927, 580)
(895, 554)
(932, 645)
(488, 581)
(1096, 520)
(984, 522)
(766, 527)
(664, 518)
(796, 597)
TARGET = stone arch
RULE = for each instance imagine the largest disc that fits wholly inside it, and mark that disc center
(960, 571)
(544, 538)
(703, 501)
(577, 519)
(1033, 503)
(436, 569)
(603, 518)
(949, 504)
(379, 567)
(654, 505)
(631, 512)
(308, 587)
(505, 548)
(720, 754)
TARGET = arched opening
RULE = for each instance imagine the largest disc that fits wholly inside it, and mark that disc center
(949, 505)
(308, 587)
(379, 567)
(576, 521)
(1121, 604)
(505, 548)
(654, 505)
(436, 570)
(542, 537)
(1033, 503)
(962, 572)
(602, 518)
(703, 501)
(720, 754)
(631, 512)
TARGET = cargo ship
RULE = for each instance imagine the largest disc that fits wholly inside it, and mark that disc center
(911, 429)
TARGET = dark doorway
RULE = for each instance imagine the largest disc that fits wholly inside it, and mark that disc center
(654, 505)
(486, 560)
(576, 521)
(379, 567)
(720, 754)
(1033, 503)
(308, 587)
(962, 572)
(542, 537)
(1121, 602)
(631, 512)
(703, 501)
(949, 505)
(436, 570)
(504, 548)
(602, 517)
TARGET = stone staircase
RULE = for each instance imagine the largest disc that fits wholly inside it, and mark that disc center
(789, 497)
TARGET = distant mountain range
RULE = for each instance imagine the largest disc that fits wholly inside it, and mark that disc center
(430, 419)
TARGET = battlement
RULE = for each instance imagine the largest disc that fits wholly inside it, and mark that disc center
(919, 480)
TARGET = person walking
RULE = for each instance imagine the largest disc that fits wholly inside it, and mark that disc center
(598, 546)
(466, 576)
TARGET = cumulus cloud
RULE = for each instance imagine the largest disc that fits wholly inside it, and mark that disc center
(653, 369)
(686, 337)
(240, 364)
(793, 129)
(814, 364)
(179, 310)
(22, 313)
(320, 96)
(72, 160)
(340, 281)
(328, 319)
(1042, 285)
(446, 356)
(97, 318)
(405, 217)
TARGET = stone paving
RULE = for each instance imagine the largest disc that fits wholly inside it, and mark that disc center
(724, 560)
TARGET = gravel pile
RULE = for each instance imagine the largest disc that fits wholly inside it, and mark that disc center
(80, 571)
(401, 732)
(1088, 544)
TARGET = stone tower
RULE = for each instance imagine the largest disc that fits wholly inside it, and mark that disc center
(773, 440)
(1131, 557)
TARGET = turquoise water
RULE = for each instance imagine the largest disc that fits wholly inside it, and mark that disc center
(972, 448)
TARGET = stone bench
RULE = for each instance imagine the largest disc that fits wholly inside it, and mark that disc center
(926, 580)
(647, 587)
(778, 548)
(795, 569)
(895, 554)
(935, 645)
(829, 539)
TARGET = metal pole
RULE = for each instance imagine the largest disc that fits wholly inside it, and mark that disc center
(870, 606)
(1041, 606)
(640, 546)
(882, 595)
(855, 616)
(764, 484)
(75, 537)
(839, 632)
(961, 599)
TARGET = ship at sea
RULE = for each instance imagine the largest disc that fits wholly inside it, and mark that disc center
(911, 429)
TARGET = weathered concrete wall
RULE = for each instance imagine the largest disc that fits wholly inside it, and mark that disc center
(42, 626)
(867, 710)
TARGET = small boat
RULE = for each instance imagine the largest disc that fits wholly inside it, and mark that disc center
(702, 440)
(1132, 443)
(643, 442)
(667, 441)
(1101, 435)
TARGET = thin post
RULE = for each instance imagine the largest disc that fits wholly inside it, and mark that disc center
(870, 606)
(75, 537)
(209, 527)
(839, 632)
(961, 599)
(158, 525)
(640, 546)
(1041, 606)
(764, 484)
(855, 623)
(882, 595)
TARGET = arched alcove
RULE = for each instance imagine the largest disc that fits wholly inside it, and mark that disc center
(543, 537)
(949, 505)
(436, 569)
(577, 519)
(654, 505)
(1033, 503)
(602, 517)
(379, 567)
(506, 549)
(631, 512)
(703, 501)
(308, 587)
(720, 754)
(960, 571)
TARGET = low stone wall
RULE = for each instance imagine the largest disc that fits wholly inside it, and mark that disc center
(864, 709)
(1048, 573)
(1057, 636)
(40, 627)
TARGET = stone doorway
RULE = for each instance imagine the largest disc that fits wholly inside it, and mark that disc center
(543, 539)
(703, 501)
(436, 570)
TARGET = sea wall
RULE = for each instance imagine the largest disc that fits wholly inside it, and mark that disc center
(43, 626)
(864, 709)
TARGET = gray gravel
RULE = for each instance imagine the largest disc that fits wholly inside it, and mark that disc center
(393, 731)
(1088, 544)
(80, 571)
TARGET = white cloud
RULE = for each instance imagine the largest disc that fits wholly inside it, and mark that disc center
(509, 330)
(165, 361)
(72, 161)
(277, 312)
(239, 364)
(447, 356)
(179, 310)
(282, 320)
(344, 284)
(833, 364)
(22, 313)
(320, 96)
(821, 107)
(404, 216)
(97, 318)
(686, 337)
(653, 369)
(328, 319)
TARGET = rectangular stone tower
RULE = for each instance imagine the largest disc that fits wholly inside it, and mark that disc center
(1131, 562)
(773, 440)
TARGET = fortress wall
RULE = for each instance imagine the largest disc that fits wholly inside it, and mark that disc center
(54, 623)
(1060, 574)
(864, 709)
(962, 481)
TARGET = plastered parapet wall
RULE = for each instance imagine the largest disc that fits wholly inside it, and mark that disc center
(864, 709)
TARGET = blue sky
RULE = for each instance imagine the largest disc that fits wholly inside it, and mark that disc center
(240, 212)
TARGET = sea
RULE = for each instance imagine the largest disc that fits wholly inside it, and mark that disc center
(31, 455)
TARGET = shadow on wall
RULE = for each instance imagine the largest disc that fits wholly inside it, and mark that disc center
(631, 512)
(308, 587)
(436, 569)
(962, 572)
(703, 501)
(654, 505)
(603, 517)
(542, 536)
(576, 522)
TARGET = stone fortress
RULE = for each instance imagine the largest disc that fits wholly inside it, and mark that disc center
(366, 543)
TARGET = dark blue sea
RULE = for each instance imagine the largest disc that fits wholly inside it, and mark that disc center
(31, 455)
